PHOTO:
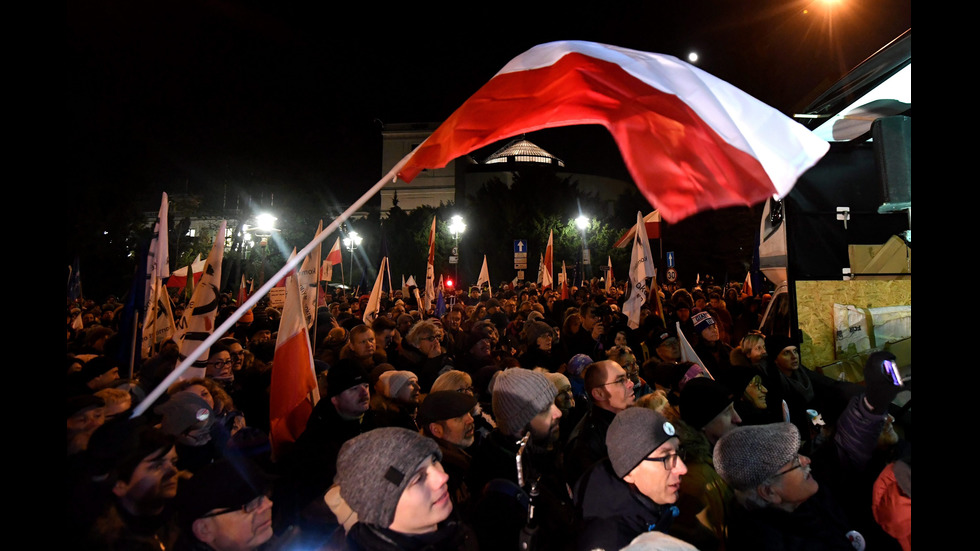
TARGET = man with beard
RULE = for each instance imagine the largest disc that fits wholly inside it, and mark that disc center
(524, 406)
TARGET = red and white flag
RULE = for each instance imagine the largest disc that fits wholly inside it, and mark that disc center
(333, 259)
(691, 141)
(747, 286)
(178, 279)
(546, 278)
(197, 322)
(430, 272)
(242, 292)
(293, 391)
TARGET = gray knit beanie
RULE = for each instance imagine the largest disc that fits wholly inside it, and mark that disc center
(633, 435)
(373, 470)
(518, 396)
(748, 456)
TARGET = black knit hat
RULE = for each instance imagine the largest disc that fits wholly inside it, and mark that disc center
(373, 470)
(444, 404)
(633, 435)
(221, 485)
(343, 375)
(702, 400)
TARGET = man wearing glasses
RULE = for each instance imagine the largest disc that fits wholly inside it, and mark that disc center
(634, 490)
(610, 390)
(226, 506)
(779, 505)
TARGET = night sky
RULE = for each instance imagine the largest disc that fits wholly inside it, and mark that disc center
(183, 95)
(220, 97)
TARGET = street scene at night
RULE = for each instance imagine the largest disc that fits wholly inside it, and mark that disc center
(544, 277)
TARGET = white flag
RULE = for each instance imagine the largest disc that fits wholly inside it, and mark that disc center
(484, 277)
(198, 321)
(308, 278)
(641, 268)
(158, 319)
(430, 272)
(373, 305)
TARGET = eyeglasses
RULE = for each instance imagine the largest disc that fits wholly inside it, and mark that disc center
(432, 338)
(248, 508)
(467, 390)
(621, 380)
(221, 362)
(669, 460)
(797, 463)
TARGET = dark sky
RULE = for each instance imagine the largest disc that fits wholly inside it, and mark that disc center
(206, 95)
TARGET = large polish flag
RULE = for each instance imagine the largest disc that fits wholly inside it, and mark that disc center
(691, 141)
(293, 391)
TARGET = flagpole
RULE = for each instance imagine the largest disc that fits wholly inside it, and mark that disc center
(264, 290)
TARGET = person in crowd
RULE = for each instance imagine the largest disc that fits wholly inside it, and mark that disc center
(708, 412)
(610, 391)
(394, 480)
(711, 348)
(779, 504)
(538, 339)
(446, 417)
(225, 507)
(399, 400)
(421, 353)
(523, 406)
(634, 490)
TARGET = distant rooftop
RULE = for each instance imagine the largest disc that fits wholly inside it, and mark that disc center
(523, 151)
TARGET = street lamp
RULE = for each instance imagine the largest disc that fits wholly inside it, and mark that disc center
(352, 240)
(583, 223)
(456, 227)
(263, 228)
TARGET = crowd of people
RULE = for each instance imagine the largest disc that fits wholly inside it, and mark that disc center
(524, 420)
